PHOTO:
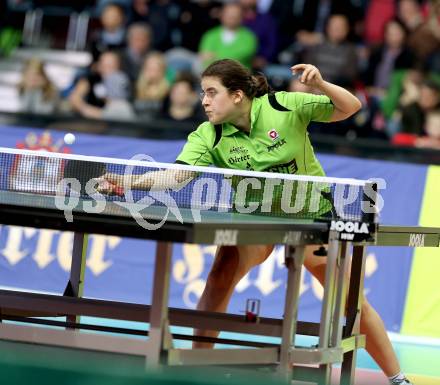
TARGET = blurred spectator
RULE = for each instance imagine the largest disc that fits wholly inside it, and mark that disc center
(195, 19)
(411, 84)
(162, 16)
(409, 12)
(336, 57)
(138, 45)
(101, 4)
(36, 91)
(229, 40)
(393, 54)
(183, 104)
(431, 139)
(379, 13)
(112, 34)
(425, 39)
(264, 27)
(307, 24)
(152, 86)
(403, 90)
(117, 105)
(302, 21)
(104, 83)
(10, 39)
(312, 17)
(414, 115)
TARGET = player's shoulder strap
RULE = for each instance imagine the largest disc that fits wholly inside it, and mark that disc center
(218, 134)
(275, 104)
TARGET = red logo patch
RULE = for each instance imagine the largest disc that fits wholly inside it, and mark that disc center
(273, 134)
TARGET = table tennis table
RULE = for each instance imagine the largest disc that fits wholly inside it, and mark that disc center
(338, 329)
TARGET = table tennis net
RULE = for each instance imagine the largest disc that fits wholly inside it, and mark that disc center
(30, 178)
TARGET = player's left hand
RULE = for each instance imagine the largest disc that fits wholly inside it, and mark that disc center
(310, 74)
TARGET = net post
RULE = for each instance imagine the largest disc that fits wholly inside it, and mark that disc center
(369, 199)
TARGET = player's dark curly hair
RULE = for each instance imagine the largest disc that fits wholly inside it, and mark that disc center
(234, 76)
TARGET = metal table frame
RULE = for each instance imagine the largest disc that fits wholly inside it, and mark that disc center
(338, 330)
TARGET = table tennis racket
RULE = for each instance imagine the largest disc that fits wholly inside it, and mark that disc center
(83, 171)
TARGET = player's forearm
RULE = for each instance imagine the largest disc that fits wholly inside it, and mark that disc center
(152, 180)
(158, 180)
(129, 181)
(344, 101)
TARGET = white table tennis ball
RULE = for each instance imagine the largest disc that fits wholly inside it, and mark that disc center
(69, 138)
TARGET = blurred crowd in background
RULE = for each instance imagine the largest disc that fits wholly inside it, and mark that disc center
(147, 56)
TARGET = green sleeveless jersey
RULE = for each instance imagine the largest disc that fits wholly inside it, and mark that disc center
(277, 142)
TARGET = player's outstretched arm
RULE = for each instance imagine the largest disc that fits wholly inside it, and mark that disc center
(153, 180)
(346, 104)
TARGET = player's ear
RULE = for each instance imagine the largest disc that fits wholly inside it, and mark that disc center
(238, 96)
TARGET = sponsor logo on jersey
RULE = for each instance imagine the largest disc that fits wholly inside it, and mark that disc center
(238, 159)
(273, 134)
(285, 168)
(276, 145)
(237, 150)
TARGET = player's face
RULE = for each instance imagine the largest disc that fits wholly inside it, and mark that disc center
(220, 105)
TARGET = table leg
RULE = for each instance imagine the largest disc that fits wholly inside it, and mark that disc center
(159, 331)
(75, 286)
(328, 303)
(354, 305)
(341, 294)
(294, 258)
